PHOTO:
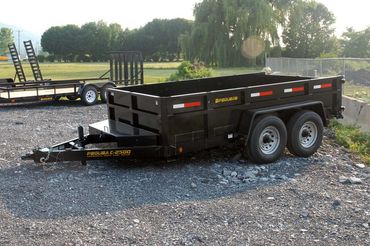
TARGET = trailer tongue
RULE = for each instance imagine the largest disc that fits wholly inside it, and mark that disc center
(263, 112)
(120, 141)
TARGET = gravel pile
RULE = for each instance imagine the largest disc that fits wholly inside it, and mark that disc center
(212, 198)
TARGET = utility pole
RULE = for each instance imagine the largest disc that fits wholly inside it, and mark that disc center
(19, 42)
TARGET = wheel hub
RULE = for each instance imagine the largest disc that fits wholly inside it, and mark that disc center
(269, 140)
(90, 96)
(308, 134)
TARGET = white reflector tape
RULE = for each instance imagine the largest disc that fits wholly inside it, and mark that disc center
(177, 106)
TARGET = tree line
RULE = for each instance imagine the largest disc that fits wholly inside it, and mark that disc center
(224, 33)
(157, 40)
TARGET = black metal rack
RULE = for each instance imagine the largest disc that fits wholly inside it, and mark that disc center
(126, 67)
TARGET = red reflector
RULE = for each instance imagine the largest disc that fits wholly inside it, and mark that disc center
(266, 93)
(298, 89)
(192, 104)
(326, 86)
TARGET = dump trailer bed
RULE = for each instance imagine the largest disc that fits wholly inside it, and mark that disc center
(169, 119)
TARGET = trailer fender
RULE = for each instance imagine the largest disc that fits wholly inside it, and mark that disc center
(283, 111)
(86, 85)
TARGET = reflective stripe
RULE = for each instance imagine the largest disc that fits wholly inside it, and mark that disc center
(187, 105)
(296, 89)
(262, 94)
(323, 86)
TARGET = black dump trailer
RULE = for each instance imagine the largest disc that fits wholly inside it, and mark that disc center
(126, 67)
(264, 113)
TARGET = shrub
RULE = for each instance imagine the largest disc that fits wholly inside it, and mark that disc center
(41, 58)
(51, 58)
(190, 71)
(352, 138)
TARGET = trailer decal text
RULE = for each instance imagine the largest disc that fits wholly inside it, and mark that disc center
(226, 99)
(262, 94)
(293, 90)
(187, 105)
(108, 153)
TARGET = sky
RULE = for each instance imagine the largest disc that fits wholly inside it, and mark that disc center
(38, 15)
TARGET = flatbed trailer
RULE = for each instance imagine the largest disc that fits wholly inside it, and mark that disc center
(126, 67)
(86, 89)
(263, 113)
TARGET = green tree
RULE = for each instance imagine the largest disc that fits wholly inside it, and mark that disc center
(356, 44)
(6, 37)
(309, 31)
(222, 28)
(158, 39)
(52, 41)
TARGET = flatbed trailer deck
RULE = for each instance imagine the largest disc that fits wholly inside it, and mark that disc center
(263, 113)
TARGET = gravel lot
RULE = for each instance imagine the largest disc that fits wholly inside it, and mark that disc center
(211, 198)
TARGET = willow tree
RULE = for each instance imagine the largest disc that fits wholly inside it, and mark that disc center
(222, 27)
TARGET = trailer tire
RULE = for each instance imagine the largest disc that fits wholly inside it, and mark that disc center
(89, 95)
(103, 92)
(305, 133)
(267, 140)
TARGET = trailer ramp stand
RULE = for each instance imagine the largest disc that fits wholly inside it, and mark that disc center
(118, 141)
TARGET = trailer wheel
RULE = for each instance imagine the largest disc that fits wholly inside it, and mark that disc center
(89, 95)
(103, 92)
(305, 133)
(267, 141)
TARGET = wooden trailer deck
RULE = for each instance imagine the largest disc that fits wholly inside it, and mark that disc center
(35, 93)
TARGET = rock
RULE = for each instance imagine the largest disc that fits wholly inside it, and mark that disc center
(226, 172)
(283, 177)
(305, 214)
(193, 185)
(354, 180)
(249, 175)
(304, 230)
(271, 198)
(344, 180)
(337, 203)
(235, 180)
(366, 225)
(136, 221)
(234, 174)
(361, 166)
(224, 182)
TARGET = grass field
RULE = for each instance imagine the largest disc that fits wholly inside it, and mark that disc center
(154, 72)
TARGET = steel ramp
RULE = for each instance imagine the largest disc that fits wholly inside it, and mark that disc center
(17, 63)
(32, 59)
